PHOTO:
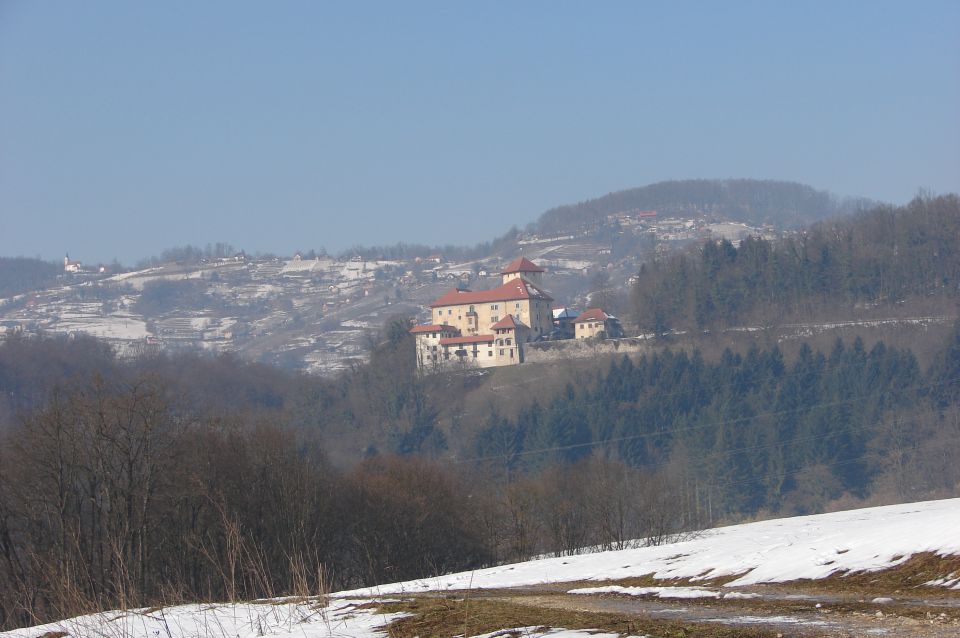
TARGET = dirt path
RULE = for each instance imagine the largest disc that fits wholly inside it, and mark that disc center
(799, 617)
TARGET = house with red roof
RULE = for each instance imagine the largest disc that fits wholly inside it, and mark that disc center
(487, 327)
(594, 322)
(438, 345)
(523, 267)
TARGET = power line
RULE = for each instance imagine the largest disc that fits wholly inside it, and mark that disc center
(848, 461)
(673, 432)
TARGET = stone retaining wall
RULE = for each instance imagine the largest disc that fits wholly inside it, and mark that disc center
(548, 351)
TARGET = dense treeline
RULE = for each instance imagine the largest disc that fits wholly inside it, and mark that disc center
(884, 256)
(755, 202)
(165, 295)
(22, 274)
(121, 484)
(186, 478)
(403, 251)
(753, 433)
(190, 254)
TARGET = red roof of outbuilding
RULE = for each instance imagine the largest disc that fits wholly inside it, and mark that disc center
(433, 328)
(592, 314)
(453, 341)
(508, 322)
(521, 264)
(515, 289)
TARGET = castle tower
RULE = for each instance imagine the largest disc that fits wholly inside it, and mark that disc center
(523, 267)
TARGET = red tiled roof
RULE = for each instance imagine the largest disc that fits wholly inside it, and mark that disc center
(432, 328)
(515, 289)
(521, 264)
(592, 314)
(508, 322)
(453, 341)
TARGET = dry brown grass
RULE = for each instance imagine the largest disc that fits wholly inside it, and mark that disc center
(645, 580)
(910, 575)
(445, 617)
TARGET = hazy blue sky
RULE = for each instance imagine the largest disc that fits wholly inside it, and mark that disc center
(129, 127)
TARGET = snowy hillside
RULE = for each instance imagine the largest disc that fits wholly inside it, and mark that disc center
(276, 619)
(766, 552)
(264, 618)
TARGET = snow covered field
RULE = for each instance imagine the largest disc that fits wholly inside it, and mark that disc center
(277, 618)
(766, 552)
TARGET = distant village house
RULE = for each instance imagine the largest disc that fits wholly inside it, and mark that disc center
(594, 322)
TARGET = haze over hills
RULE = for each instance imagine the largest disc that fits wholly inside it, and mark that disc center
(304, 298)
(754, 202)
(764, 372)
(312, 311)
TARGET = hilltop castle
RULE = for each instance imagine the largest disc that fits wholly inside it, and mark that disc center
(488, 327)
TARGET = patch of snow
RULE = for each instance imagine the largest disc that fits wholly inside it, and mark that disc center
(769, 620)
(737, 595)
(947, 581)
(109, 327)
(133, 273)
(356, 323)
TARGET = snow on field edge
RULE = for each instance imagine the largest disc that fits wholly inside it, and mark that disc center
(764, 552)
(275, 618)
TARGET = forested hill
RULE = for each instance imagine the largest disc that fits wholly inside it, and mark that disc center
(906, 256)
(23, 274)
(756, 202)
